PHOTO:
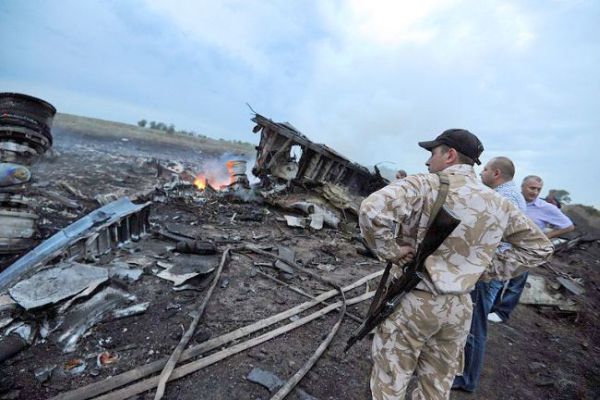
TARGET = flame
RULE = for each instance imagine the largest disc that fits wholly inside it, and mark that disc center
(229, 165)
(216, 176)
(200, 182)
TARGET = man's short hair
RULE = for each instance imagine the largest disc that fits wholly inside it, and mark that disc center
(462, 159)
(505, 166)
(532, 177)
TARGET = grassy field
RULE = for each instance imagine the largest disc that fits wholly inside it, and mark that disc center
(99, 127)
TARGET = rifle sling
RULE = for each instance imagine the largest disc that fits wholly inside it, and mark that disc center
(441, 197)
(435, 209)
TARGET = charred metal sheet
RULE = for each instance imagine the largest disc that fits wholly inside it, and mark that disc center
(318, 163)
(17, 223)
(95, 234)
(108, 304)
(53, 285)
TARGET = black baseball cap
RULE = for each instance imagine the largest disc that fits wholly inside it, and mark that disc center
(461, 140)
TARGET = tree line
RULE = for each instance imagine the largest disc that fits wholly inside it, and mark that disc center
(170, 129)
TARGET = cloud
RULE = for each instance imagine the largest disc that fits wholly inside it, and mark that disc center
(246, 31)
(447, 26)
(369, 79)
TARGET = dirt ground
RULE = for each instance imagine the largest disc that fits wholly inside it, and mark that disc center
(541, 353)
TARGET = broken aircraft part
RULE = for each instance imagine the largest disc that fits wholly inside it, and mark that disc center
(183, 271)
(55, 284)
(237, 172)
(123, 270)
(13, 174)
(317, 162)
(25, 124)
(107, 304)
(18, 229)
(95, 234)
(538, 291)
(272, 382)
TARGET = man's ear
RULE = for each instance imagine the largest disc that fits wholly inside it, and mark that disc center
(451, 155)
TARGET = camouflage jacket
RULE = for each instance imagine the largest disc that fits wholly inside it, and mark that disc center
(470, 251)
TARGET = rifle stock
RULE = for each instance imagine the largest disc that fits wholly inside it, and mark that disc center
(439, 229)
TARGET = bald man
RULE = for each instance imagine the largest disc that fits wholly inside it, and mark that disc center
(497, 174)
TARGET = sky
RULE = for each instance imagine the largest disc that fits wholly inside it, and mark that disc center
(368, 78)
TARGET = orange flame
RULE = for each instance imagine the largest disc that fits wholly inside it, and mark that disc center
(200, 182)
(229, 165)
(218, 177)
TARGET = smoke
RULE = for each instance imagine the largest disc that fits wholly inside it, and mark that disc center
(215, 168)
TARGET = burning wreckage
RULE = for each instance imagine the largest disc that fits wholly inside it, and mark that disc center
(206, 244)
(80, 278)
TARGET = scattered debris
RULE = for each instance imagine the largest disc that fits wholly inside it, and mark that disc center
(22, 329)
(43, 374)
(18, 229)
(538, 291)
(53, 285)
(273, 382)
(75, 366)
(125, 378)
(170, 365)
(92, 235)
(286, 254)
(123, 270)
(4, 322)
(571, 285)
(59, 198)
(316, 221)
(177, 278)
(107, 304)
(283, 267)
(325, 267)
(106, 358)
(183, 271)
(295, 221)
(69, 188)
(198, 221)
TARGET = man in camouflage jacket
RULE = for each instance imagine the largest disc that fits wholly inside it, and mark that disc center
(427, 331)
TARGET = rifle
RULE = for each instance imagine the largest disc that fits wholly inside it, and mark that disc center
(440, 227)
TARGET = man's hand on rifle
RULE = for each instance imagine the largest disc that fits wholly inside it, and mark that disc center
(406, 254)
